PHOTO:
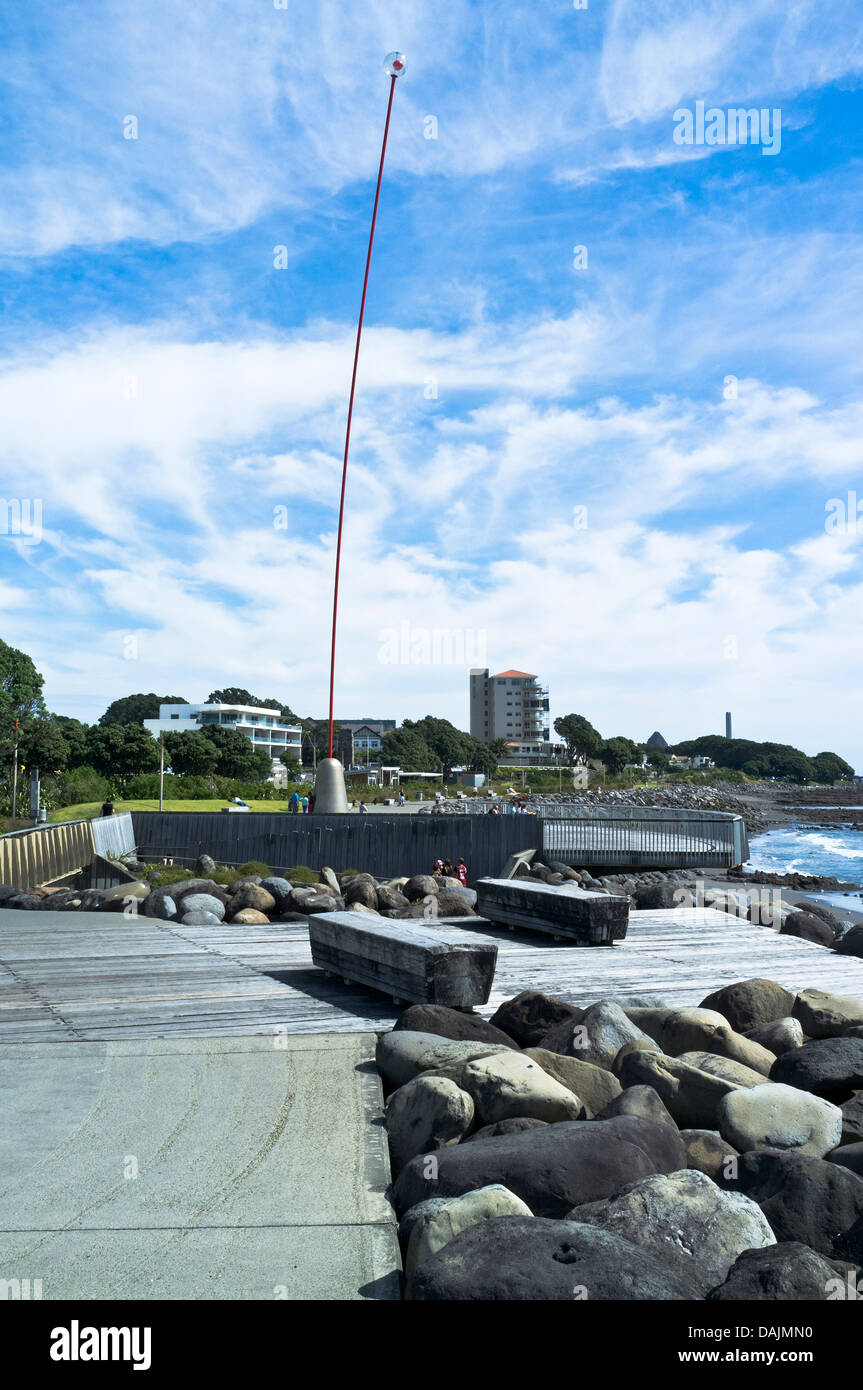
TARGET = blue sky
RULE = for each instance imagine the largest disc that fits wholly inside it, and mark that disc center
(177, 404)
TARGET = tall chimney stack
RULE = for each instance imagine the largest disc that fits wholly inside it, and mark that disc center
(727, 723)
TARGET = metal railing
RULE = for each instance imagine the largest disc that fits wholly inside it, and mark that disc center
(630, 836)
(44, 853)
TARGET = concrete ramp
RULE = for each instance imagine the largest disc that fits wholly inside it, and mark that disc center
(219, 1168)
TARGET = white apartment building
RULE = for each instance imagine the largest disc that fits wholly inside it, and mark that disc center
(263, 727)
(511, 705)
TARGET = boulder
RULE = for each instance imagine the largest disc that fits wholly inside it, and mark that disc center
(781, 1118)
(694, 1030)
(691, 1096)
(511, 1085)
(851, 943)
(637, 1100)
(638, 1046)
(325, 902)
(205, 866)
(750, 1003)
(686, 1213)
(603, 1030)
(724, 1067)
(513, 1126)
(594, 1086)
(160, 903)
(250, 917)
(437, 1227)
(514, 1259)
(850, 1156)
(678, 1030)
(707, 1151)
(203, 902)
(780, 1036)
(809, 928)
(453, 904)
(828, 1067)
(328, 877)
(531, 1014)
(649, 896)
(420, 886)
(390, 899)
(200, 918)
(804, 1199)
(426, 1114)
(402, 1055)
(251, 895)
(852, 1119)
(789, 1272)
(553, 1168)
(360, 890)
(280, 889)
(416, 1214)
(825, 1015)
(451, 1023)
(297, 899)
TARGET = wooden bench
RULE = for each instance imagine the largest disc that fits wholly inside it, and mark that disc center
(588, 919)
(412, 960)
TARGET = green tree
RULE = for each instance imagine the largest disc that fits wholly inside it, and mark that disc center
(829, 767)
(581, 738)
(236, 755)
(134, 709)
(120, 751)
(657, 758)
(191, 754)
(75, 734)
(617, 752)
(293, 765)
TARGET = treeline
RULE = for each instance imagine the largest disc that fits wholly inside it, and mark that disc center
(757, 760)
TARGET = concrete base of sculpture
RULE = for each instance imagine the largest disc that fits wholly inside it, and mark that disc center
(330, 795)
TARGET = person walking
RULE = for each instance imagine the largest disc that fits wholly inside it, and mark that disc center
(461, 873)
(447, 869)
(364, 810)
(401, 798)
(304, 802)
(438, 866)
(294, 803)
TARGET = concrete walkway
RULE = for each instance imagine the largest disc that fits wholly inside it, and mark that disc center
(219, 1168)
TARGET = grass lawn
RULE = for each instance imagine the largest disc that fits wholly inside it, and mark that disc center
(86, 810)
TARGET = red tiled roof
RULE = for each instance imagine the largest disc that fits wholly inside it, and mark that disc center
(530, 674)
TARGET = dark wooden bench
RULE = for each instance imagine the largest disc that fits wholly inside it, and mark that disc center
(411, 960)
(588, 919)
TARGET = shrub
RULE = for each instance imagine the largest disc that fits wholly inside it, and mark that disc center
(254, 866)
(301, 873)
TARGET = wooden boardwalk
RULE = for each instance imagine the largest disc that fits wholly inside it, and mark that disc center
(102, 976)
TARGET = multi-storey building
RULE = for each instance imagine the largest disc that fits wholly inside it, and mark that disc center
(512, 705)
(265, 728)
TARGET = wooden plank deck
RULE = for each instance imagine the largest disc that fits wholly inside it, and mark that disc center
(101, 976)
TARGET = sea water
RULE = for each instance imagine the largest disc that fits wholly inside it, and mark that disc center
(831, 851)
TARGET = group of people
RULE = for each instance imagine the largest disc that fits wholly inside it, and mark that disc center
(445, 868)
(300, 805)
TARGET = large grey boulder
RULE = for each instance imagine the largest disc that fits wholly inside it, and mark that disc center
(198, 918)
(251, 895)
(451, 1023)
(597, 1037)
(691, 1096)
(707, 1151)
(852, 1119)
(825, 1015)
(426, 1114)
(437, 1227)
(420, 886)
(780, 1118)
(850, 1156)
(511, 1085)
(553, 1168)
(390, 899)
(328, 876)
(160, 903)
(531, 1014)
(513, 1259)
(594, 1086)
(513, 1126)
(280, 889)
(780, 1036)
(402, 1055)
(360, 890)
(203, 902)
(729, 1070)
(642, 1101)
(786, 1273)
(803, 1198)
(750, 1003)
(828, 1067)
(685, 1213)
